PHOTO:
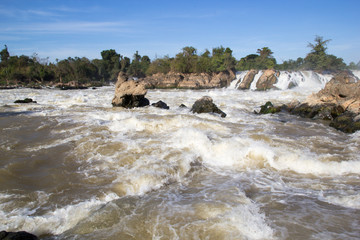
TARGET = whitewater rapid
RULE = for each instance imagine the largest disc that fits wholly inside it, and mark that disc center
(74, 167)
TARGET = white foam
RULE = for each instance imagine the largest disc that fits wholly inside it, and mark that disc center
(52, 222)
(311, 164)
(256, 78)
(356, 73)
(345, 200)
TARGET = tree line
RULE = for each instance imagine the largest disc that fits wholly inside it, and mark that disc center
(25, 70)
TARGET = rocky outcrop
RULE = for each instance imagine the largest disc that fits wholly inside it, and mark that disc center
(17, 236)
(342, 90)
(129, 93)
(206, 105)
(189, 80)
(338, 102)
(248, 79)
(267, 80)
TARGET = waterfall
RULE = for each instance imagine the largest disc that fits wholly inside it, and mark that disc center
(239, 77)
(289, 79)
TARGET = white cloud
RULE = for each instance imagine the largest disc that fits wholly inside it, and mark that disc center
(68, 27)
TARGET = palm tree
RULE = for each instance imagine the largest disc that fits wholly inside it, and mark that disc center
(265, 52)
(320, 45)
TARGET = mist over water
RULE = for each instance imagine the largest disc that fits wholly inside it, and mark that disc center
(74, 167)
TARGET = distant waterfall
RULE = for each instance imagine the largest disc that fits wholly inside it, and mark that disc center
(287, 79)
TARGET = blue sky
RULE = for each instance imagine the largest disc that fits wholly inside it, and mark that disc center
(61, 29)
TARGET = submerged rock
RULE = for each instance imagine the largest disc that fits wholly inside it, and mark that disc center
(71, 86)
(22, 235)
(206, 105)
(160, 104)
(26, 100)
(129, 93)
(268, 107)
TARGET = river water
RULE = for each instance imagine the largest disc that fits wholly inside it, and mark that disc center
(74, 167)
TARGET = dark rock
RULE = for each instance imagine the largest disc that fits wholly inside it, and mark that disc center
(268, 107)
(347, 122)
(206, 105)
(17, 236)
(160, 104)
(323, 112)
(182, 106)
(26, 100)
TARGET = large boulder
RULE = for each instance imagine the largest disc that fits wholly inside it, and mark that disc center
(267, 80)
(248, 79)
(206, 105)
(343, 89)
(129, 93)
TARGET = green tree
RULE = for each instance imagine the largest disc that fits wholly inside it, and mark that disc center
(222, 59)
(160, 65)
(262, 60)
(4, 54)
(265, 52)
(185, 61)
(204, 63)
(319, 60)
(139, 65)
(111, 63)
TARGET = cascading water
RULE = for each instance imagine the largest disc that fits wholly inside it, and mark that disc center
(288, 79)
(74, 167)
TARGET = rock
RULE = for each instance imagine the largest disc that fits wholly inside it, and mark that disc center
(248, 79)
(129, 93)
(343, 89)
(26, 100)
(347, 122)
(160, 104)
(320, 111)
(338, 102)
(268, 107)
(182, 106)
(70, 86)
(206, 105)
(267, 80)
(189, 80)
(17, 236)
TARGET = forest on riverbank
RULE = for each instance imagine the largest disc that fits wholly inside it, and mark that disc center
(32, 71)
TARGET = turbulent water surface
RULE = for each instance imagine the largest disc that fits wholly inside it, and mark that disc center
(74, 167)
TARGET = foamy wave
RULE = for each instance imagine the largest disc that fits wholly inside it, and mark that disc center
(348, 201)
(53, 222)
(223, 152)
(308, 164)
